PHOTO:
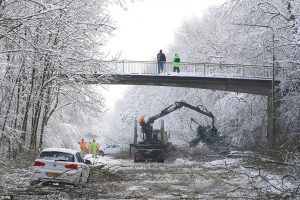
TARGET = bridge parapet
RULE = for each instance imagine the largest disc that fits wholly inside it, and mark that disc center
(195, 69)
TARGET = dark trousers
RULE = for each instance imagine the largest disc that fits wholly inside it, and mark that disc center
(176, 69)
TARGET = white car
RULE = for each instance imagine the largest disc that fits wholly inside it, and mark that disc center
(112, 149)
(60, 165)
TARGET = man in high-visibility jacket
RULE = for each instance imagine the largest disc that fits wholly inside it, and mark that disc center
(89, 147)
(83, 147)
(176, 63)
(144, 128)
(98, 148)
(94, 148)
(142, 119)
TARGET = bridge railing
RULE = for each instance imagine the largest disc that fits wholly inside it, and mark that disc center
(191, 69)
(194, 69)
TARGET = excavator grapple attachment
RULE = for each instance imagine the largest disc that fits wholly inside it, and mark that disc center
(206, 134)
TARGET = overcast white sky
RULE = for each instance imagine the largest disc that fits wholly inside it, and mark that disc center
(150, 25)
(146, 27)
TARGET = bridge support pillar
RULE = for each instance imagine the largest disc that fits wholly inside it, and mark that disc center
(271, 132)
(274, 129)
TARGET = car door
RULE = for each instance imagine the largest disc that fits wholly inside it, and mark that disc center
(84, 167)
(115, 149)
(108, 149)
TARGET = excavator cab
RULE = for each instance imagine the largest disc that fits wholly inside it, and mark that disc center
(152, 146)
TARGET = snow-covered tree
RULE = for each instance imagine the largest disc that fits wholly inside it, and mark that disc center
(251, 32)
(40, 41)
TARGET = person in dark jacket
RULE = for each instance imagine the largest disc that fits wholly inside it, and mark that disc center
(161, 59)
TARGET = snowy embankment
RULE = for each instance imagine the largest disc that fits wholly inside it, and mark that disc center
(181, 178)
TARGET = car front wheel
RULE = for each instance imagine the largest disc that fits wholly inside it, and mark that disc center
(101, 153)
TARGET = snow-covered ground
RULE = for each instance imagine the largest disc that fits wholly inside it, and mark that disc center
(110, 178)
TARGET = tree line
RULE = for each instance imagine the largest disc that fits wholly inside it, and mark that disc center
(40, 41)
(262, 32)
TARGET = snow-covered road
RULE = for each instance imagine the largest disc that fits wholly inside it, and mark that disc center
(229, 178)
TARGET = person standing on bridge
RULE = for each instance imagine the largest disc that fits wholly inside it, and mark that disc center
(161, 59)
(176, 63)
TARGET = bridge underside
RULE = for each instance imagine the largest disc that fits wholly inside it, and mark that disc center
(250, 86)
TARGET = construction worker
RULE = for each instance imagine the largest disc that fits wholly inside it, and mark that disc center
(94, 148)
(176, 63)
(144, 127)
(98, 148)
(142, 119)
(89, 146)
(83, 147)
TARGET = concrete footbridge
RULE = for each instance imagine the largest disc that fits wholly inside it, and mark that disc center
(252, 79)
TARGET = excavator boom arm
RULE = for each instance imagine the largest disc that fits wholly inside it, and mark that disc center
(178, 105)
(147, 127)
(164, 112)
(201, 110)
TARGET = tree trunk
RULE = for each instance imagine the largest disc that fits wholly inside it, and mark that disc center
(45, 115)
(25, 119)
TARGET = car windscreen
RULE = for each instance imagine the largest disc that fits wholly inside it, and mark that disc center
(57, 156)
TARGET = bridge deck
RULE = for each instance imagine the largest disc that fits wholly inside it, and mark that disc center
(252, 79)
(240, 85)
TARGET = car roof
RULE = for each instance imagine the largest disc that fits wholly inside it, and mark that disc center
(65, 150)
